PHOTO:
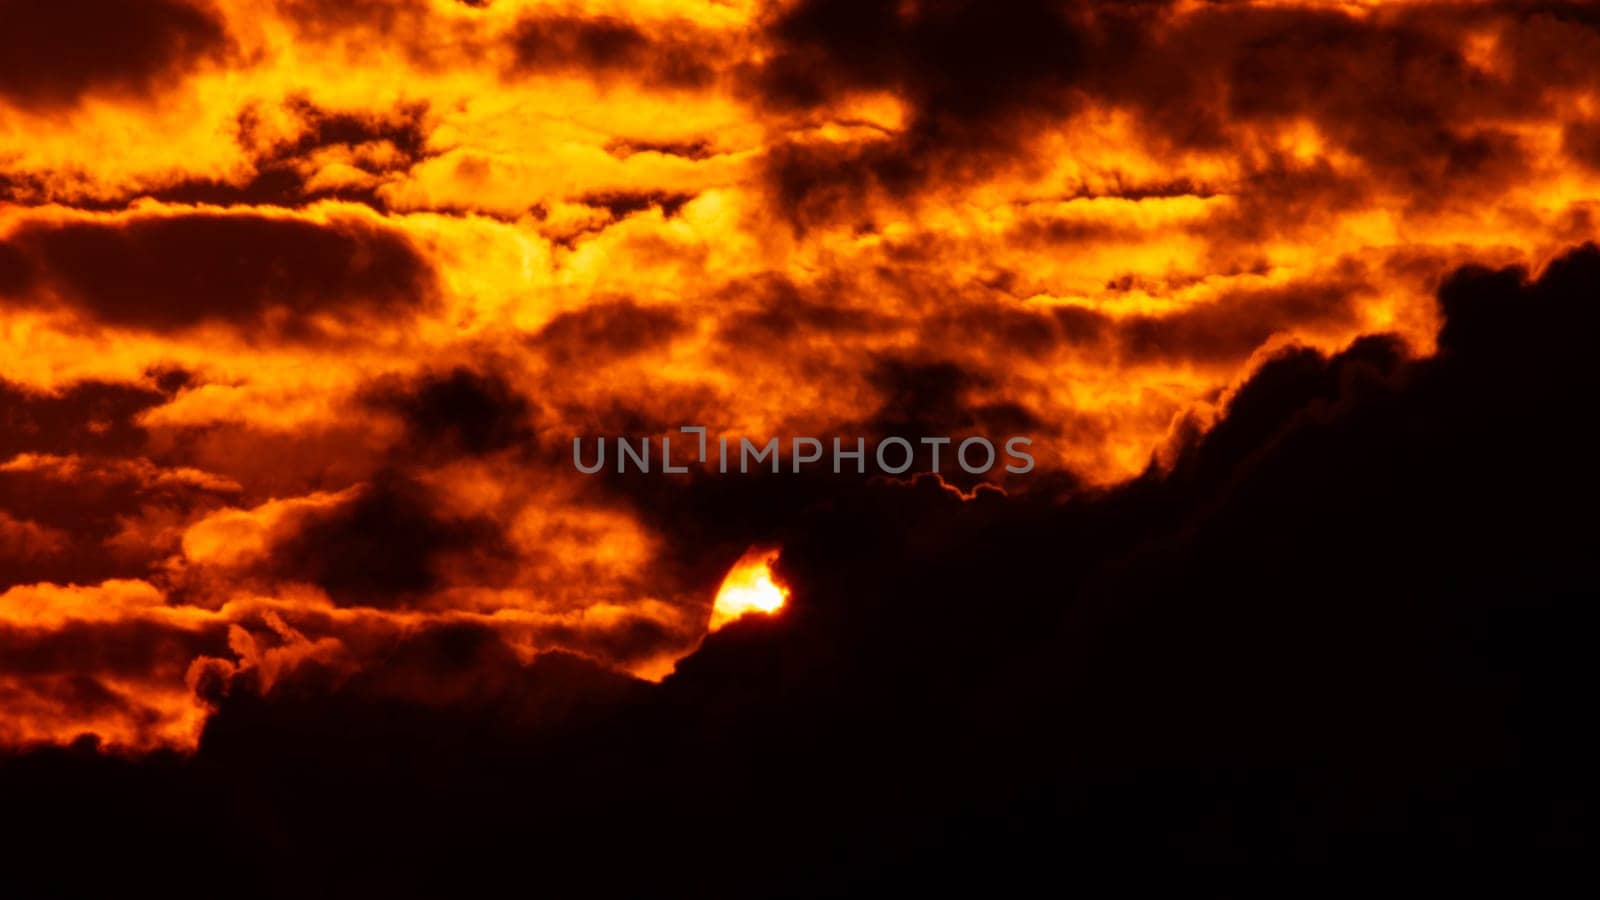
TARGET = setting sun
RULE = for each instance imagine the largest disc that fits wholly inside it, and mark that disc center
(749, 588)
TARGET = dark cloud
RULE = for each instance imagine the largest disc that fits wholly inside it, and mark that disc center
(14, 270)
(1581, 141)
(30, 552)
(75, 478)
(92, 417)
(1347, 610)
(334, 19)
(1398, 91)
(826, 183)
(388, 546)
(1346, 626)
(54, 54)
(691, 149)
(107, 650)
(1282, 196)
(1226, 328)
(602, 332)
(604, 47)
(1233, 326)
(269, 275)
(380, 143)
(976, 79)
(1011, 331)
(783, 312)
(960, 63)
(467, 669)
(403, 128)
(936, 398)
(71, 519)
(622, 205)
(458, 412)
(430, 35)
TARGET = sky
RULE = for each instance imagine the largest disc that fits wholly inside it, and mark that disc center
(303, 303)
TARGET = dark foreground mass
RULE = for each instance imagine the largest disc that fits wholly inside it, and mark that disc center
(1352, 627)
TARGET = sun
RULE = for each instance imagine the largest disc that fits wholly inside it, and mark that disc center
(749, 588)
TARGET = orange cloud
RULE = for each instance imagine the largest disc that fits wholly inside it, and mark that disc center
(302, 303)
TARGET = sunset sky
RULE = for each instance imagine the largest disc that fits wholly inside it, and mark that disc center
(303, 302)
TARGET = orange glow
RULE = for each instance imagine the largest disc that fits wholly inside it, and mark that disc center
(749, 588)
(300, 303)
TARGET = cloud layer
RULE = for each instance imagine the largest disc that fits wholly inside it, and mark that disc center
(302, 304)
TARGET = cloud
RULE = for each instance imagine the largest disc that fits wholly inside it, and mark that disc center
(325, 155)
(264, 274)
(459, 412)
(385, 546)
(977, 82)
(606, 331)
(959, 63)
(80, 501)
(87, 417)
(292, 547)
(1365, 566)
(54, 55)
(605, 48)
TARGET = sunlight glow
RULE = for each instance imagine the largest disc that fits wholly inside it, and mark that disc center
(749, 588)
